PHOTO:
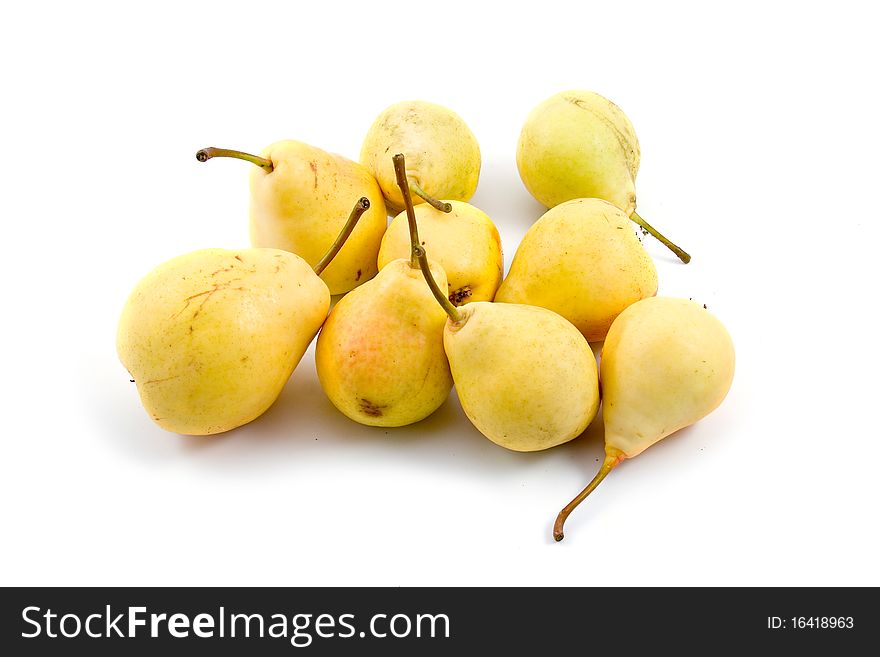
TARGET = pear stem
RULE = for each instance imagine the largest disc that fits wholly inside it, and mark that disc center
(419, 253)
(207, 153)
(443, 206)
(611, 462)
(359, 208)
(683, 255)
(402, 182)
(418, 257)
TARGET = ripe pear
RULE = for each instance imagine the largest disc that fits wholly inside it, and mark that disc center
(665, 364)
(380, 356)
(525, 377)
(443, 157)
(299, 195)
(464, 241)
(582, 260)
(578, 144)
(212, 336)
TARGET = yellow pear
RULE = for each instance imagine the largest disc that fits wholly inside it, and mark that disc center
(298, 200)
(464, 241)
(443, 157)
(582, 260)
(578, 144)
(211, 337)
(525, 377)
(380, 356)
(665, 364)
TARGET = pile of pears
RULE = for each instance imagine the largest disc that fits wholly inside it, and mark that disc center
(211, 337)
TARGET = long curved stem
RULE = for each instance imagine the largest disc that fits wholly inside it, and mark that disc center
(207, 153)
(683, 255)
(359, 208)
(418, 253)
(611, 462)
(402, 182)
(443, 206)
(418, 256)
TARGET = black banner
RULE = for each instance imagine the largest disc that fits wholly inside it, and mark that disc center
(325, 621)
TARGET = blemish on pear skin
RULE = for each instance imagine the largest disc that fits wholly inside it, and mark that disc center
(370, 408)
(621, 138)
(358, 277)
(458, 296)
(168, 378)
(314, 167)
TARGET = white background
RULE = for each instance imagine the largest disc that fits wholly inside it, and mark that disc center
(758, 127)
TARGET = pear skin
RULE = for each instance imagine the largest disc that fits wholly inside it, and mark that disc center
(442, 154)
(380, 357)
(666, 364)
(582, 260)
(525, 377)
(211, 337)
(464, 241)
(301, 204)
(577, 144)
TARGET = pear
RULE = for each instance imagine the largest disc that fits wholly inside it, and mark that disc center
(665, 364)
(464, 241)
(380, 356)
(299, 195)
(443, 157)
(211, 337)
(525, 377)
(578, 144)
(582, 260)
